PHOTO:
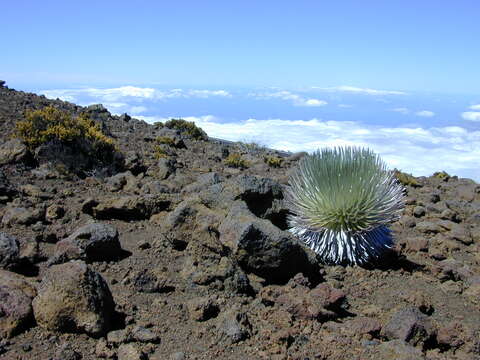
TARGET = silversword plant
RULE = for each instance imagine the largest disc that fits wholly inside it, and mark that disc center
(342, 200)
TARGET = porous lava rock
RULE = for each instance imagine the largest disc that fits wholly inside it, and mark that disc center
(9, 251)
(12, 151)
(16, 295)
(91, 242)
(409, 325)
(74, 298)
(321, 303)
(263, 249)
(22, 216)
(131, 207)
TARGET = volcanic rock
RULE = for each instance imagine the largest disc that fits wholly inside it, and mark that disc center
(125, 180)
(234, 326)
(203, 308)
(73, 298)
(22, 216)
(16, 294)
(9, 251)
(262, 248)
(91, 242)
(409, 325)
(131, 207)
(321, 303)
(12, 151)
(398, 350)
(129, 352)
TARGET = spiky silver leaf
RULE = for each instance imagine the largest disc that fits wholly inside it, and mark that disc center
(342, 199)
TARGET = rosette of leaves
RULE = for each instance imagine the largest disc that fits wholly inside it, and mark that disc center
(342, 200)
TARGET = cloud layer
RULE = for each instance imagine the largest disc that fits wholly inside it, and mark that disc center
(131, 99)
(421, 151)
(132, 92)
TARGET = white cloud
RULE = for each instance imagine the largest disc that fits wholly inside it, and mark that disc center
(402, 110)
(296, 99)
(132, 93)
(345, 106)
(358, 90)
(471, 116)
(425, 113)
(416, 150)
(313, 102)
(208, 93)
(59, 94)
(121, 92)
(475, 107)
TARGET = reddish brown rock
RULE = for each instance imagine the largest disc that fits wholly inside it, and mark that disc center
(409, 325)
(321, 303)
(16, 294)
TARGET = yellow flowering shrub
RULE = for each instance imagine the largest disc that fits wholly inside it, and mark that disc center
(50, 123)
(273, 161)
(235, 160)
(187, 127)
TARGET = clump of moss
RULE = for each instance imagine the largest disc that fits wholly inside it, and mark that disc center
(165, 140)
(235, 160)
(52, 124)
(273, 161)
(187, 127)
(406, 179)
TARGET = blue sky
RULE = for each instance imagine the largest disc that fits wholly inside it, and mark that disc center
(426, 45)
(401, 77)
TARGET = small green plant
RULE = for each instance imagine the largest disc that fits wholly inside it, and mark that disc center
(187, 127)
(52, 124)
(406, 179)
(165, 140)
(441, 175)
(159, 152)
(273, 161)
(235, 160)
(342, 200)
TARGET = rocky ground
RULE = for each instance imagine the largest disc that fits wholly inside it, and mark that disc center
(185, 257)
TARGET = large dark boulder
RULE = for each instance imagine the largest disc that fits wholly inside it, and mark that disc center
(74, 298)
(262, 196)
(263, 249)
